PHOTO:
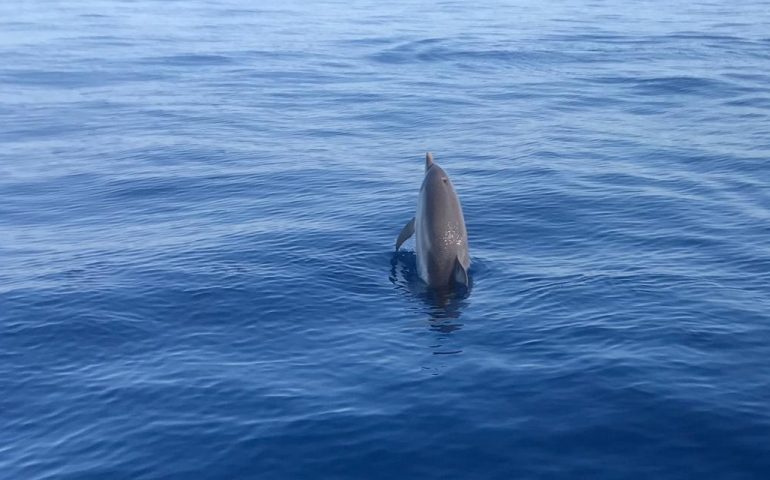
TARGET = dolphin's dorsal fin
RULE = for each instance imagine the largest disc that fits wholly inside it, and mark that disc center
(460, 274)
(406, 232)
(428, 160)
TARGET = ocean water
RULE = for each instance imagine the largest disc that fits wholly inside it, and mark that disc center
(199, 201)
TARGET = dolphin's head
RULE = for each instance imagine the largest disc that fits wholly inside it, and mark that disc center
(442, 241)
(428, 160)
(440, 210)
(437, 184)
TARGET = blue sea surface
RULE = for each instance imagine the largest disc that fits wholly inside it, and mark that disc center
(199, 203)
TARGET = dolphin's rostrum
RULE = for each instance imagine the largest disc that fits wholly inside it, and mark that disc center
(441, 241)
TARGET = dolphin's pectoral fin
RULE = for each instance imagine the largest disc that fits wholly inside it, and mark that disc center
(460, 274)
(406, 232)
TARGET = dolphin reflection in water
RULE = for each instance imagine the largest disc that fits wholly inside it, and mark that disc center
(442, 307)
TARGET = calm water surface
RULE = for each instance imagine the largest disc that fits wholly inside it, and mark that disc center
(198, 204)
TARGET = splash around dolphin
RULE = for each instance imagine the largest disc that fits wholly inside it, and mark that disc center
(441, 240)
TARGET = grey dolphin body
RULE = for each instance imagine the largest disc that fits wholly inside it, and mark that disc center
(441, 240)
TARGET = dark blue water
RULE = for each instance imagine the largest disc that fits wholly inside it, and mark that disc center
(198, 204)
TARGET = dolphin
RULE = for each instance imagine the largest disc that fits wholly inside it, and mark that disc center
(441, 240)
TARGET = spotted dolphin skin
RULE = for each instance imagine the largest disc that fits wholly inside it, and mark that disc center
(441, 240)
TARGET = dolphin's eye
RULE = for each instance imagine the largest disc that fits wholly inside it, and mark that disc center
(444, 179)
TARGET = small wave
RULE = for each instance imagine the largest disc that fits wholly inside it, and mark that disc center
(678, 85)
(189, 60)
(438, 50)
